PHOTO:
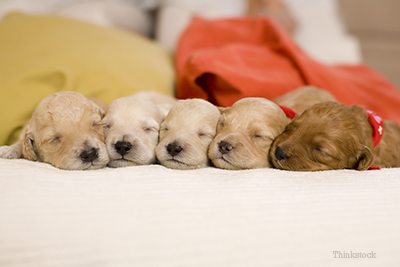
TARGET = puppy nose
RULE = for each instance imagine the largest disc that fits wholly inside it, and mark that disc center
(174, 149)
(224, 147)
(123, 147)
(89, 155)
(280, 154)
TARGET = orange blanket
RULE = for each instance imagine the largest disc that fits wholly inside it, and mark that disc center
(225, 60)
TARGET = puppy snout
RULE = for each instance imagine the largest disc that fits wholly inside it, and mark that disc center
(174, 149)
(123, 147)
(224, 147)
(280, 154)
(89, 155)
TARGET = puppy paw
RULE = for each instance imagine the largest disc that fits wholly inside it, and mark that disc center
(10, 152)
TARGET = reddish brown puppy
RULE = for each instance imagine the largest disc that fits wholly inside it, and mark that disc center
(331, 136)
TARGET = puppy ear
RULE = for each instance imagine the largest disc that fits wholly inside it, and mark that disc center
(364, 159)
(165, 108)
(222, 109)
(99, 106)
(100, 111)
(29, 150)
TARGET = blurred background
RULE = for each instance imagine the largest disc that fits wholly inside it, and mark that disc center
(331, 31)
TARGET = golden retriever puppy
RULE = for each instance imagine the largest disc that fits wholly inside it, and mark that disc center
(65, 130)
(330, 136)
(131, 127)
(186, 133)
(303, 98)
(245, 133)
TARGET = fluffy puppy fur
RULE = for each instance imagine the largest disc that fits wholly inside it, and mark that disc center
(186, 134)
(331, 136)
(303, 98)
(245, 132)
(65, 130)
(131, 127)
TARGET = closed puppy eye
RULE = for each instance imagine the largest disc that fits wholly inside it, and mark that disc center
(205, 134)
(56, 139)
(106, 126)
(164, 129)
(317, 149)
(321, 155)
(320, 150)
(262, 136)
(53, 139)
(149, 129)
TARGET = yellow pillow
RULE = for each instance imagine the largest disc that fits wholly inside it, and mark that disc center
(41, 55)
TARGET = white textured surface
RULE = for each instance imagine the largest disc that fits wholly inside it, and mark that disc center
(153, 216)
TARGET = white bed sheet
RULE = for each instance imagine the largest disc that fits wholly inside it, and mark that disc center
(154, 216)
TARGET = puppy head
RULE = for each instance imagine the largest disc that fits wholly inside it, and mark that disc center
(131, 128)
(186, 133)
(245, 132)
(65, 130)
(326, 136)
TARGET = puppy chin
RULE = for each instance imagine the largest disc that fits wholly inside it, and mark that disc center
(277, 164)
(95, 166)
(180, 165)
(224, 164)
(132, 160)
(182, 162)
(73, 162)
(117, 163)
(237, 159)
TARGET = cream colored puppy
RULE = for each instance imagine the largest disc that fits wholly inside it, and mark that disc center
(186, 134)
(65, 130)
(131, 127)
(245, 133)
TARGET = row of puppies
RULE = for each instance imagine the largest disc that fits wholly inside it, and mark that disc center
(188, 134)
(73, 132)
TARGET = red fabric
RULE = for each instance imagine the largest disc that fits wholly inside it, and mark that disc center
(225, 60)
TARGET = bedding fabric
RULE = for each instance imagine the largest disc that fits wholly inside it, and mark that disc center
(43, 54)
(228, 59)
(154, 216)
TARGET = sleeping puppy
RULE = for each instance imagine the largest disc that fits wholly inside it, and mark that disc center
(65, 130)
(245, 132)
(131, 127)
(186, 134)
(330, 136)
(303, 98)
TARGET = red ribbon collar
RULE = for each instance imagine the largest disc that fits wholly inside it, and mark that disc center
(377, 131)
(290, 113)
(377, 126)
